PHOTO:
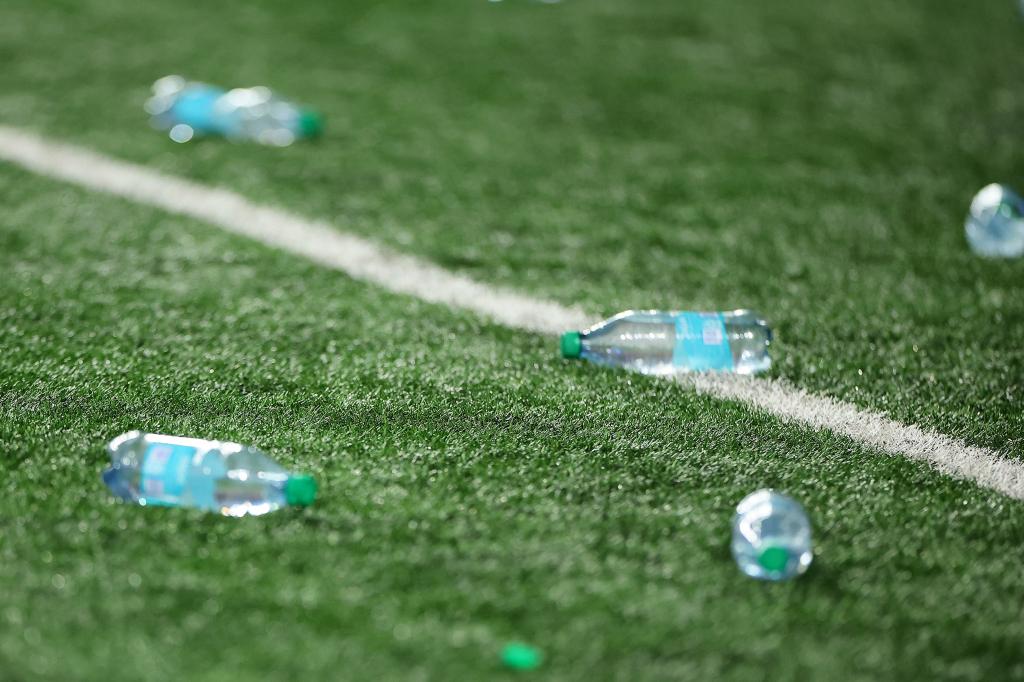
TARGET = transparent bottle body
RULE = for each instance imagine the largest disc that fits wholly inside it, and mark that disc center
(995, 223)
(771, 536)
(223, 477)
(257, 114)
(645, 341)
(187, 108)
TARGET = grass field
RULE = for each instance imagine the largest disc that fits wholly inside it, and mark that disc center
(811, 160)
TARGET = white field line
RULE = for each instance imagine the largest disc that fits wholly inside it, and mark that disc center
(949, 455)
(364, 260)
(317, 241)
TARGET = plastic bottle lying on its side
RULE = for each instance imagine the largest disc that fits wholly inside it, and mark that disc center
(228, 478)
(771, 536)
(189, 108)
(995, 223)
(667, 343)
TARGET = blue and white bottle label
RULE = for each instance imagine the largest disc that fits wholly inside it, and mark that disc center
(164, 470)
(196, 108)
(701, 343)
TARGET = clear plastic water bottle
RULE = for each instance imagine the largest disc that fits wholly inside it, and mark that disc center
(665, 343)
(189, 108)
(228, 478)
(995, 223)
(771, 536)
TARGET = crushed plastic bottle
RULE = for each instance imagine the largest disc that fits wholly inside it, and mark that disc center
(228, 478)
(771, 536)
(189, 108)
(666, 343)
(995, 223)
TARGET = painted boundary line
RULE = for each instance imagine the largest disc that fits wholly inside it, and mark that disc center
(948, 455)
(314, 240)
(363, 260)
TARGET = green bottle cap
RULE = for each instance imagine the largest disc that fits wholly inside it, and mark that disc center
(300, 490)
(311, 124)
(572, 344)
(519, 656)
(773, 559)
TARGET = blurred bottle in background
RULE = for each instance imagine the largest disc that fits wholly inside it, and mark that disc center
(187, 109)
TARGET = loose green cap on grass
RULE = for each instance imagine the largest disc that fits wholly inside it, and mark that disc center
(300, 490)
(572, 344)
(519, 656)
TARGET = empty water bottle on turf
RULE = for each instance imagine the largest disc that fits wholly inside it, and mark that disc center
(771, 536)
(995, 223)
(189, 108)
(665, 343)
(227, 478)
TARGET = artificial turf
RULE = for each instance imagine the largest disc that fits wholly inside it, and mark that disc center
(476, 489)
(812, 161)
